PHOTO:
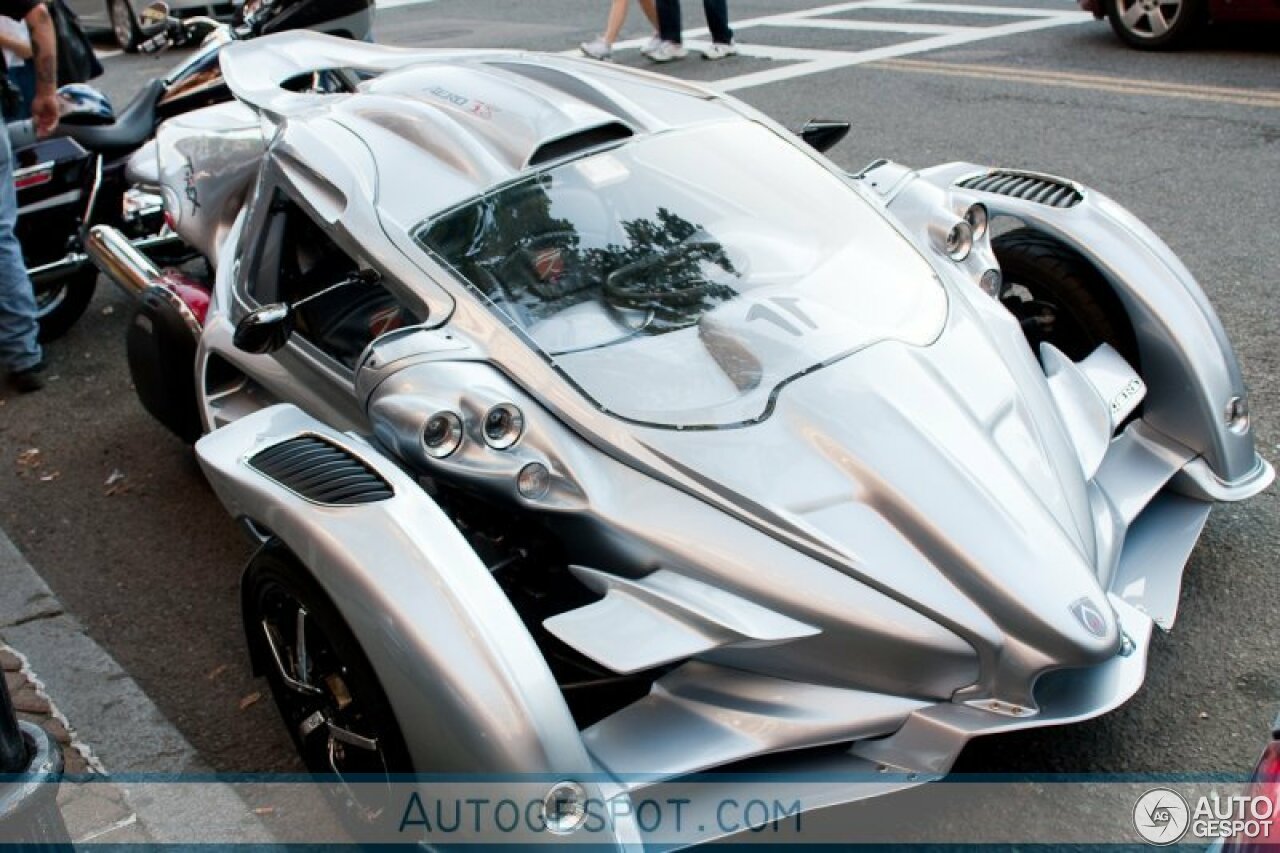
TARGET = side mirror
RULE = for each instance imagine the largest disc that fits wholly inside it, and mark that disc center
(822, 134)
(265, 329)
(153, 19)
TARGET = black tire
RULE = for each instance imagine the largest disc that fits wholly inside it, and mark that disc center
(1157, 24)
(126, 32)
(60, 303)
(1060, 298)
(273, 583)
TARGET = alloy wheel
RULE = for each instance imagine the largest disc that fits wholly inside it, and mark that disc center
(1150, 18)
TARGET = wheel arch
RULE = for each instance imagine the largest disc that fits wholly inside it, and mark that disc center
(1187, 361)
(444, 642)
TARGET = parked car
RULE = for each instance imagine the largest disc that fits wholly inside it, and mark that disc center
(589, 422)
(1169, 24)
(121, 17)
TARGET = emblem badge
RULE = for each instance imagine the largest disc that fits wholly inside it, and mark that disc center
(1090, 616)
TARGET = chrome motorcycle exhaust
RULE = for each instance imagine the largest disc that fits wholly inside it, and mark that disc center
(119, 260)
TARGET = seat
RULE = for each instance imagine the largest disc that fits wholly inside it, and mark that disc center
(132, 127)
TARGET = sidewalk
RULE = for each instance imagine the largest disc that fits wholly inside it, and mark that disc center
(93, 809)
(95, 702)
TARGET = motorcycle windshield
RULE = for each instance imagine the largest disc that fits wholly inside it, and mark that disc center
(682, 279)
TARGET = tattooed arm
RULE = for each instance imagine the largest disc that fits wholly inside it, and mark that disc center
(44, 46)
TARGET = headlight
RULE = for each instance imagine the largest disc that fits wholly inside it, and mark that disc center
(442, 434)
(502, 426)
(977, 218)
(959, 241)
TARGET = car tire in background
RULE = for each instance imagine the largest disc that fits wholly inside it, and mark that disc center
(124, 24)
(1156, 24)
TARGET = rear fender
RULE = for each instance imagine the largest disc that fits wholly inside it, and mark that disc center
(1187, 361)
(469, 687)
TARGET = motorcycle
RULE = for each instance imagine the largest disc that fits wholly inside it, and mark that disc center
(79, 178)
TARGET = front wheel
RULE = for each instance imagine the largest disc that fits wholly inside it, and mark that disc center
(1156, 24)
(59, 303)
(327, 692)
(1060, 298)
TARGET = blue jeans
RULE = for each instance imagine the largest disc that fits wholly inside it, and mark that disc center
(18, 327)
(717, 13)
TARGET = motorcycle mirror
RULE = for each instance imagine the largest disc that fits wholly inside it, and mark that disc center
(264, 329)
(822, 134)
(154, 18)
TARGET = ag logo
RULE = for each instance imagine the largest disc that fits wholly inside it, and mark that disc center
(1090, 617)
(1161, 816)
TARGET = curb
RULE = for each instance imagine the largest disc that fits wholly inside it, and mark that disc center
(128, 733)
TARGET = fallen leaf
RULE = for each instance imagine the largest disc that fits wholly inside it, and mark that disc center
(50, 477)
(263, 811)
(249, 700)
(218, 670)
(114, 478)
(29, 458)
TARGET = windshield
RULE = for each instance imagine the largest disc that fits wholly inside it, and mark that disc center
(679, 280)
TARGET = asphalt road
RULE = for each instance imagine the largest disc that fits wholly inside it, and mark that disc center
(1190, 142)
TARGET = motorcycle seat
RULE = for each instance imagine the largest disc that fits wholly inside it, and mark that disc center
(133, 125)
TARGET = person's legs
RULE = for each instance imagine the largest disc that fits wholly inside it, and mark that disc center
(718, 20)
(617, 17)
(669, 26)
(650, 12)
(19, 350)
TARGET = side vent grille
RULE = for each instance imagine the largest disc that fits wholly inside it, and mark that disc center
(321, 472)
(1038, 188)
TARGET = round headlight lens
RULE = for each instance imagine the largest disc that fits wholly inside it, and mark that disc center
(977, 218)
(502, 426)
(442, 434)
(564, 808)
(959, 241)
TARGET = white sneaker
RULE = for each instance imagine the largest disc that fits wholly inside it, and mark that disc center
(668, 51)
(597, 49)
(719, 50)
(654, 42)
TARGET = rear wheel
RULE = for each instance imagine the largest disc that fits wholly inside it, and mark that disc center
(1059, 298)
(60, 303)
(124, 25)
(328, 695)
(1156, 24)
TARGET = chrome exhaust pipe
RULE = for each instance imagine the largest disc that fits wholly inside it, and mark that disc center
(73, 262)
(117, 258)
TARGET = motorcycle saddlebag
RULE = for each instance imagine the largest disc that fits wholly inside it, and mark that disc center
(161, 347)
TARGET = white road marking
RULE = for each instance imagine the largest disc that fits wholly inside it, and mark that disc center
(964, 9)
(810, 61)
(866, 26)
(394, 4)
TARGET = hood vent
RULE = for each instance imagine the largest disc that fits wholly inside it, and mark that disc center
(1041, 189)
(321, 472)
(582, 140)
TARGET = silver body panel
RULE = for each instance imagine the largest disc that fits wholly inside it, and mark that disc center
(898, 556)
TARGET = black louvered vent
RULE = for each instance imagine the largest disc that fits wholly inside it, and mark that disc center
(1037, 188)
(322, 472)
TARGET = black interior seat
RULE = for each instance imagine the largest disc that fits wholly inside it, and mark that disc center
(132, 127)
